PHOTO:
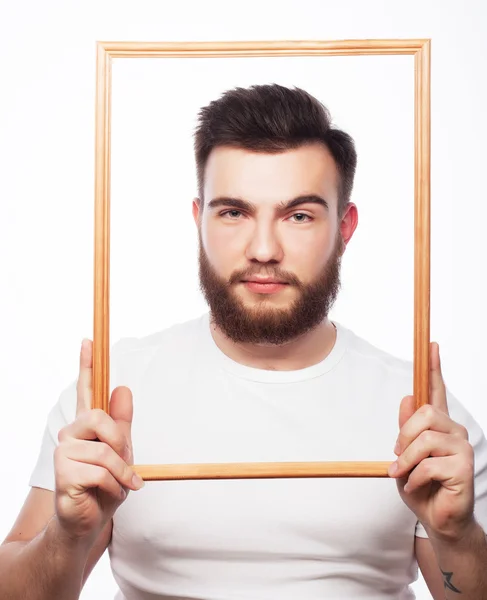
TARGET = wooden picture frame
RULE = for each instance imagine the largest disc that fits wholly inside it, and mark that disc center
(106, 53)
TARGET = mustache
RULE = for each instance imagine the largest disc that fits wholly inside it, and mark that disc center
(274, 273)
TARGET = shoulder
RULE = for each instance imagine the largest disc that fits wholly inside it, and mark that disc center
(176, 335)
(129, 358)
(361, 352)
(176, 343)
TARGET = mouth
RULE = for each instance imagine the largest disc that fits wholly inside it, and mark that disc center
(262, 280)
(264, 286)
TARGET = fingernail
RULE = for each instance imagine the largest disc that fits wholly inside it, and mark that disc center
(137, 482)
(393, 469)
(397, 448)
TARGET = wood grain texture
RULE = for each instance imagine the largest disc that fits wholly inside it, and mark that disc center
(108, 51)
(101, 313)
(262, 470)
(263, 48)
(422, 226)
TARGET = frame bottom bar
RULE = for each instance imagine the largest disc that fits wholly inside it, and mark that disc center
(261, 470)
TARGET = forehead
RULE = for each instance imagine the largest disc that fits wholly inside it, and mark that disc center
(261, 177)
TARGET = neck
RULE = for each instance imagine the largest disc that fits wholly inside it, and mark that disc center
(299, 353)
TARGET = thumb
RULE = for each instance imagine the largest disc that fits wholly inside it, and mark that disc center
(406, 410)
(121, 410)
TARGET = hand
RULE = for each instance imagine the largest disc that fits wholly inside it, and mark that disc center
(435, 475)
(92, 459)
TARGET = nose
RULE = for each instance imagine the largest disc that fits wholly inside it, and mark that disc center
(264, 245)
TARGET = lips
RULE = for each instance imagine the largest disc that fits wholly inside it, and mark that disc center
(264, 286)
(267, 280)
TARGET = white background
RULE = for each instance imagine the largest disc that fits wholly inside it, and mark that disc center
(153, 237)
(46, 187)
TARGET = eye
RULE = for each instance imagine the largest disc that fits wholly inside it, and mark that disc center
(307, 217)
(231, 213)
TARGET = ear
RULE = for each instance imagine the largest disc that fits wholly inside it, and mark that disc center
(196, 211)
(348, 223)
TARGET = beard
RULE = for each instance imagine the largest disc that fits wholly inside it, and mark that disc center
(264, 323)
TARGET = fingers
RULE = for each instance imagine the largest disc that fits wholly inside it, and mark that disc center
(449, 471)
(102, 455)
(95, 424)
(437, 384)
(82, 463)
(430, 443)
(407, 409)
(428, 417)
(121, 411)
(74, 478)
(84, 386)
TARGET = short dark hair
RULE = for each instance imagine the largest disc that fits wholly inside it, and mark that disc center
(273, 118)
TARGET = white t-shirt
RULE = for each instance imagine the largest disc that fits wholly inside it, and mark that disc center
(261, 539)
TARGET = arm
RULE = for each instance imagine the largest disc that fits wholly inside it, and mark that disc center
(462, 570)
(427, 562)
(441, 476)
(463, 565)
(38, 561)
(59, 536)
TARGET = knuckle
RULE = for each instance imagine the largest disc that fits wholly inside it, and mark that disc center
(62, 435)
(97, 416)
(426, 468)
(122, 448)
(427, 437)
(419, 472)
(427, 410)
(106, 477)
(102, 477)
(127, 474)
(117, 441)
(104, 452)
(461, 433)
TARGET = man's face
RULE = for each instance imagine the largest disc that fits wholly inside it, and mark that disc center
(246, 232)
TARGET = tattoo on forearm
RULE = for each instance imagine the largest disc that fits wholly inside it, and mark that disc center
(447, 582)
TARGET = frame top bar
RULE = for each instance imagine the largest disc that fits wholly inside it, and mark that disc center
(289, 47)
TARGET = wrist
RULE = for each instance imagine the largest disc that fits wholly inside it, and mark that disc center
(62, 541)
(466, 537)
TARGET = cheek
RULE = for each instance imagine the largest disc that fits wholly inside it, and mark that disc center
(223, 247)
(225, 234)
(308, 267)
(309, 253)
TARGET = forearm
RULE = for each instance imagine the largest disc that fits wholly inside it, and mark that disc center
(49, 566)
(464, 565)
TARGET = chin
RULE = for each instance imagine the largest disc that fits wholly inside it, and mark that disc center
(249, 298)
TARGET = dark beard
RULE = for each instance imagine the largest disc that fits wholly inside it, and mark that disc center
(264, 323)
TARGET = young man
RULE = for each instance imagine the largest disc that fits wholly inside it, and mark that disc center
(264, 376)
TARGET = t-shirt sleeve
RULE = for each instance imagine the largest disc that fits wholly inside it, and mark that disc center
(63, 413)
(478, 441)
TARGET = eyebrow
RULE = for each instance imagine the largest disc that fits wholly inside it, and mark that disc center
(281, 207)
